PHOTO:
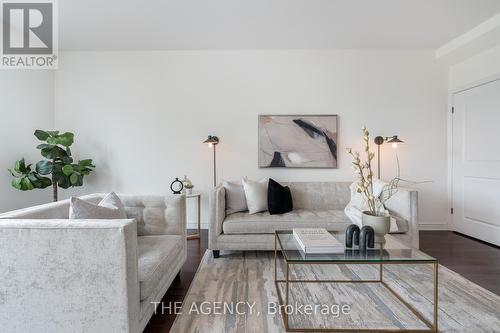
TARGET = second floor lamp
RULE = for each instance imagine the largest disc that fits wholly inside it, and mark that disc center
(212, 141)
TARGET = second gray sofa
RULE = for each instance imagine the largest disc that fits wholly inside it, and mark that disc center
(316, 205)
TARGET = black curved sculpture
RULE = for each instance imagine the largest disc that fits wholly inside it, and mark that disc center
(351, 236)
(366, 238)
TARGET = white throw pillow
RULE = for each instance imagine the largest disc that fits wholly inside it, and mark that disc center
(235, 197)
(109, 208)
(256, 195)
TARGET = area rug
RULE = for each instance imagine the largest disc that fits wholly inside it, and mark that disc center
(236, 293)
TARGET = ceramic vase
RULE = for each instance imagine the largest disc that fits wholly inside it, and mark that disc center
(381, 224)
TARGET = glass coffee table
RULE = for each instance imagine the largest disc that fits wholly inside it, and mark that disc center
(286, 244)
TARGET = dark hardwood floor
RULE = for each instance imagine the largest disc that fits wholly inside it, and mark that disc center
(476, 261)
(473, 259)
(161, 322)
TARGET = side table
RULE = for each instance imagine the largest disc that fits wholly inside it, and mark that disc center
(198, 197)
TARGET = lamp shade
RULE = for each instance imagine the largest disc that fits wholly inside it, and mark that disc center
(212, 140)
(395, 141)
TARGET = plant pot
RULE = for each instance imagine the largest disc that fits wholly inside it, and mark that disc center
(381, 224)
(189, 191)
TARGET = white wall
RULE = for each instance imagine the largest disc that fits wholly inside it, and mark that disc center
(475, 69)
(143, 115)
(27, 100)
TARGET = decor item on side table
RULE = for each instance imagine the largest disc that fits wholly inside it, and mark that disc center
(213, 141)
(375, 215)
(188, 185)
(379, 140)
(279, 198)
(58, 163)
(298, 141)
(176, 186)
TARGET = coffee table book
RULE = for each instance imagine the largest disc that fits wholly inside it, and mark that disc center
(316, 241)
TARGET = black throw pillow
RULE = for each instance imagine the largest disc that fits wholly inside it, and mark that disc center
(279, 198)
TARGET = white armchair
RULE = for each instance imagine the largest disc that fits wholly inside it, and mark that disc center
(59, 275)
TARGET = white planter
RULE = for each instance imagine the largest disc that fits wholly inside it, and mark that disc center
(189, 191)
(381, 224)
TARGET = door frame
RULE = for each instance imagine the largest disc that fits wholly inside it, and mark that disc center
(449, 125)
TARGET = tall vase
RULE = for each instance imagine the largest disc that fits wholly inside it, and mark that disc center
(381, 224)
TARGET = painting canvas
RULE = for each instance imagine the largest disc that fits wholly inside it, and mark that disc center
(301, 141)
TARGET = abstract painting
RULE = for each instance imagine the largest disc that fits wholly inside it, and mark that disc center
(302, 141)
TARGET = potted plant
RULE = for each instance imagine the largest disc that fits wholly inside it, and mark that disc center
(58, 164)
(188, 185)
(375, 214)
(189, 188)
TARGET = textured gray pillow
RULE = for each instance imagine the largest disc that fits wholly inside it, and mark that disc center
(235, 197)
(109, 208)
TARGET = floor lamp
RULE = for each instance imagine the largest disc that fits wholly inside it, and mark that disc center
(212, 141)
(379, 140)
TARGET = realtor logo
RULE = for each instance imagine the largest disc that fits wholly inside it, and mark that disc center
(29, 34)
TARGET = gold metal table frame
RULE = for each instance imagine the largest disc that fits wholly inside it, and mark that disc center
(432, 327)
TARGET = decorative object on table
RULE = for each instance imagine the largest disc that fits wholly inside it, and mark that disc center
(176, 186)
(316, 241)
(298, 141)
(279, 198)
(379, 140)
(235, 197)
(198, 207)
(212, 141)
(366, 238)
(256, 195)
(351, 236)
(58, 163)
(188, 185)
(375, 214)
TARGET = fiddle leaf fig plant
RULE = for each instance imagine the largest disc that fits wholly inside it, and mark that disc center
(57, 169)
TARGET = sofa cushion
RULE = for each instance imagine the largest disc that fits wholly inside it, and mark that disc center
(256, 195)
(156, 255)
(110, 207)
(265, 223)
(235, 197)
(279, 198)
(155, 214)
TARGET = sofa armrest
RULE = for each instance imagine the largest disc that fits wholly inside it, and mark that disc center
(217, 215)
(404, 204)
(69, 276)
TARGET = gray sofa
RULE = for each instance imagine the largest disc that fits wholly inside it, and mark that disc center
(59, 275)
(316, 205)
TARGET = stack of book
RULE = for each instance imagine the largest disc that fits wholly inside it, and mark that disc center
(317, 241)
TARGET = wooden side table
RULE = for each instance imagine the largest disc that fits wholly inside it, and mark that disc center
(197, 196)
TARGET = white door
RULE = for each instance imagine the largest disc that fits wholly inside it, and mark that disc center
(476, 162)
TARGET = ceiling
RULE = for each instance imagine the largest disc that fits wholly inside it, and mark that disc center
(266, 24)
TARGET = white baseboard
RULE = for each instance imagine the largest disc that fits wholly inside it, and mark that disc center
(429, 227)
